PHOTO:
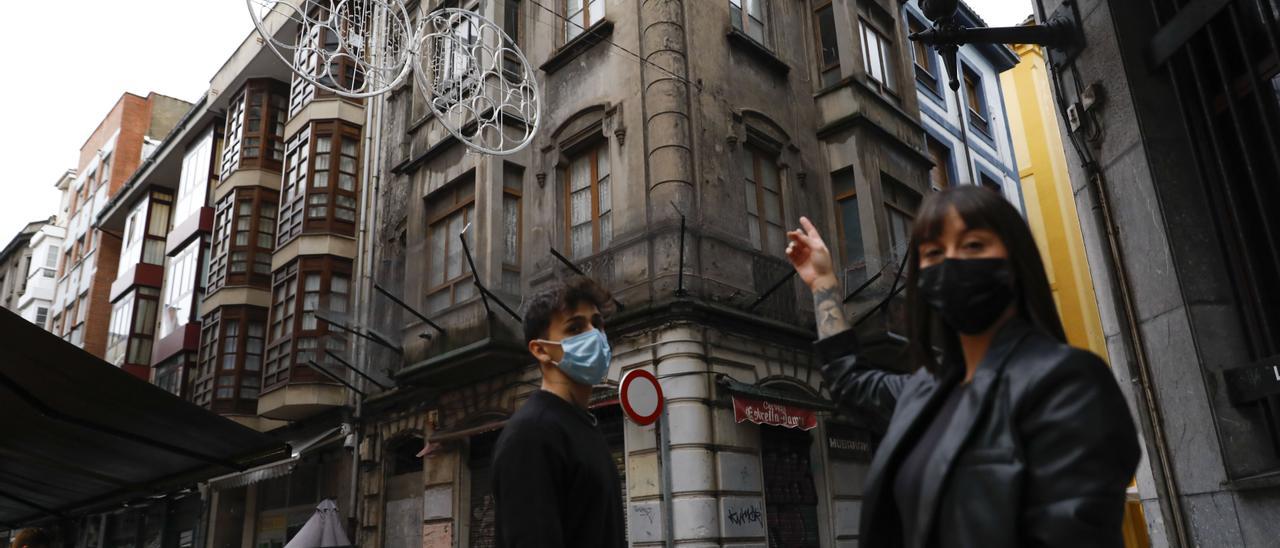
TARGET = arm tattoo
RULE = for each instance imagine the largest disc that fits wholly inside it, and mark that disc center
(828, 312)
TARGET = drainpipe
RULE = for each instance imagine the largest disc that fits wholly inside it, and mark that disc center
(1166, 483)
(363, 268)
(668, 510)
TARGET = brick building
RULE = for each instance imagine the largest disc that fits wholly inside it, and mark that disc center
(81, 305)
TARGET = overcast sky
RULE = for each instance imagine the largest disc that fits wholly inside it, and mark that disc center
(71, 67)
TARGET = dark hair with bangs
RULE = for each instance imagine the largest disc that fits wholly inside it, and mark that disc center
(563, 296)
(978, 208)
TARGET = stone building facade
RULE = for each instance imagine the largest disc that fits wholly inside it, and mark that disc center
(734, 117)
(1170, 118)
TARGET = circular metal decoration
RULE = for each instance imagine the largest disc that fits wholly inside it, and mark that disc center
(354, 48)
(477, 82)
(641, 397)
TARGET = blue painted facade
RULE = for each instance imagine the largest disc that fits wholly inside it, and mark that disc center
(942, 111)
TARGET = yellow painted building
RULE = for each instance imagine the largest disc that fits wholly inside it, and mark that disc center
(1051, 212)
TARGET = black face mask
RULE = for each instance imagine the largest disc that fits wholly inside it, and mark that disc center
(969, 294)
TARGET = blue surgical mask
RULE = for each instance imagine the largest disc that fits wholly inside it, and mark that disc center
(586, 357)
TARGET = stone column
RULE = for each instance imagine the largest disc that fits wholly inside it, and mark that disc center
(668, 137)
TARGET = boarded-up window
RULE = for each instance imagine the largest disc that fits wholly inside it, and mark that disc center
(402, 525)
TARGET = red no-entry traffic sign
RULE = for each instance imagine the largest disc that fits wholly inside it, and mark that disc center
(641, 397)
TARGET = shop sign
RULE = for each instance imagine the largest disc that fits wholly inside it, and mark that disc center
(849, 443)
(773, 414)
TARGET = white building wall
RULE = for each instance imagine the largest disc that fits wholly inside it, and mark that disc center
(941, 115)
(41, 277)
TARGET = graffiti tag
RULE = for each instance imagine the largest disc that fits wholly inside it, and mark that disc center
(749, 514)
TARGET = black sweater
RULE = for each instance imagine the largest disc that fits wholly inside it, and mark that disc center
(554, 480)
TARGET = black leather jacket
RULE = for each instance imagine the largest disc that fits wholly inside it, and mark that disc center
(1040, 453)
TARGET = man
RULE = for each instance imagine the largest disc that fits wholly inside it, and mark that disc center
(553, 477)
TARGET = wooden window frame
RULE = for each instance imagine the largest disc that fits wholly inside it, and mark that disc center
(215, 332)
(898, 189)
(280, 365)
(119, 329)
(270, 133)
(138, 340)
(182, 365)
(758, 157)
(942, 163)
(147, 238)
(824, 68)
(223, 244)
(585, 21)
(973, 90)
(511, 62)
(518, 194)
(301, 91)
(926, 72)
(157, 240)
(883, 60)
(299, 190)
(594, 148)
(439, 221)
(743, 22)
(838, 199)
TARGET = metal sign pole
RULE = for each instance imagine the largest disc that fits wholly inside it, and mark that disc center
(668, 505)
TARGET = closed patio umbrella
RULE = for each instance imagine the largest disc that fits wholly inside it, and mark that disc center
(323, 530)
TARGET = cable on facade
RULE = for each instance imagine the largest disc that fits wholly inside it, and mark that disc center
(614, 44)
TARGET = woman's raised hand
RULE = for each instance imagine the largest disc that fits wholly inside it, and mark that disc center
(810, 256)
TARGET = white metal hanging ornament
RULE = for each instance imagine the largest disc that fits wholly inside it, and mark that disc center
(354, 48)
(477, 81)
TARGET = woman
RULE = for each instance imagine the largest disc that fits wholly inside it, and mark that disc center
(1004, 437)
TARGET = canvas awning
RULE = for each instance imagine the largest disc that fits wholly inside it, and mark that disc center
(78, 434)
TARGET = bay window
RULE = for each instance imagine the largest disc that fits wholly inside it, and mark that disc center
(229, 374)
(132, 328)
(255, 127)
(321, 178)
(243, 239)
(182, 286)
(296, 335)
(196, 178)
(145, 231)
(341, 71)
